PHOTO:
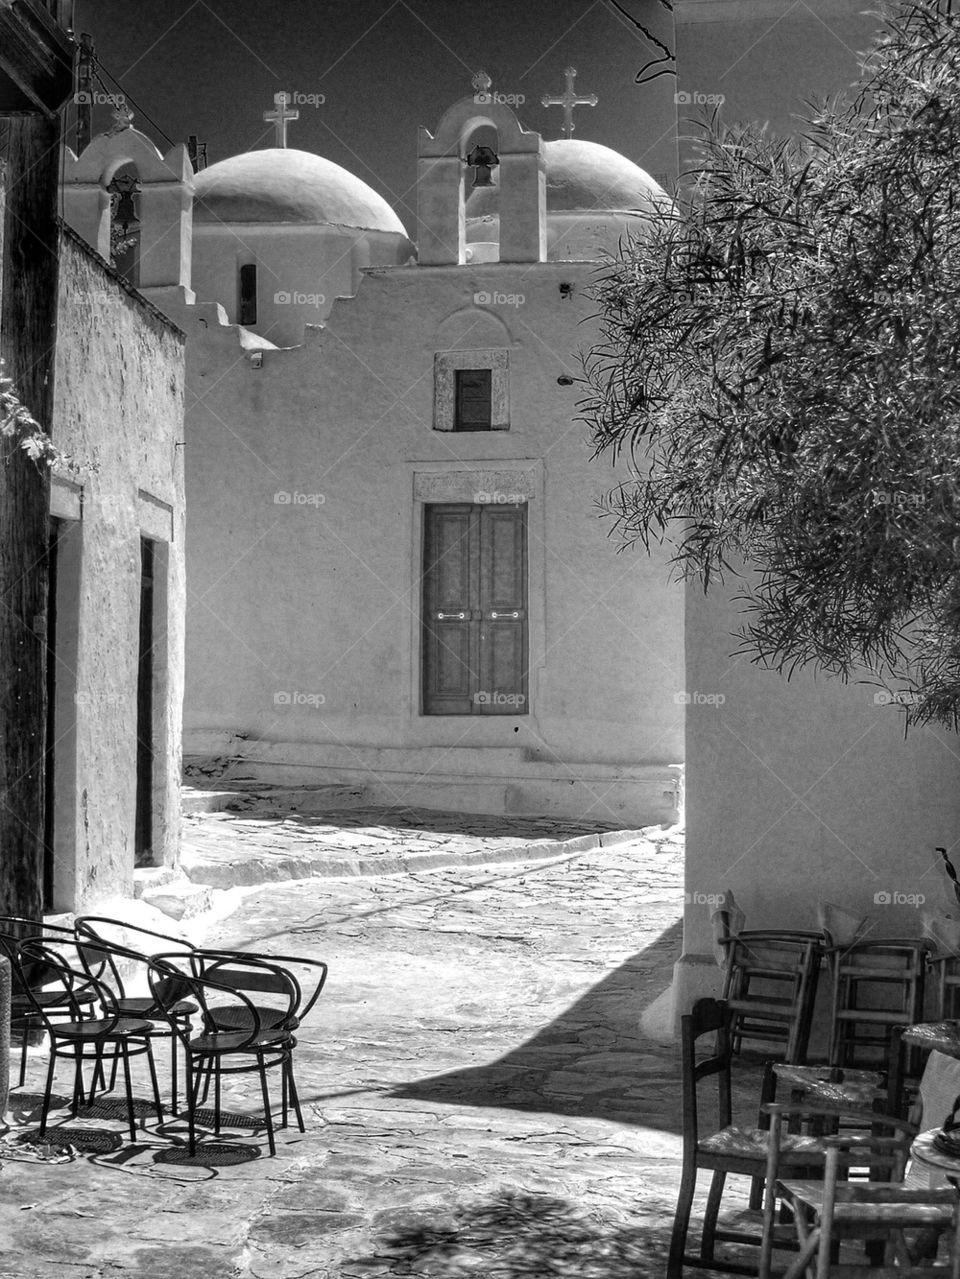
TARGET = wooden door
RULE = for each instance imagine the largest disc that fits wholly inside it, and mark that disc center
(475, 610)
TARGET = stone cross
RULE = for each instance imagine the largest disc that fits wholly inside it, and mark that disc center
(279, 117)
(568, 101)
(481, 86)
(122, 118)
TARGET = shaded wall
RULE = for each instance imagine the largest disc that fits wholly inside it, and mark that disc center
(119, 414)
(805, 790)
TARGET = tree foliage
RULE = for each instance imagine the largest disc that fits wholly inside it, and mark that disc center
(778, 361)
(19, 427)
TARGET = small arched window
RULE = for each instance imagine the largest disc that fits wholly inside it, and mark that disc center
(248, 295)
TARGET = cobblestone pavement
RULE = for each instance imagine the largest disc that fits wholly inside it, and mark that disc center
(478, 1094)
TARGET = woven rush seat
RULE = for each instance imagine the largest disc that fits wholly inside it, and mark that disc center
(753, 1143)
(913, 1208)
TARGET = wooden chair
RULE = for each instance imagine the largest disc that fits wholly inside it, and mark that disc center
(770, 986)
(731, 1149)
(830, 1211)
(876, 985)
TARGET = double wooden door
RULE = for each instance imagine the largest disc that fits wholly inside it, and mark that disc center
(475, 609)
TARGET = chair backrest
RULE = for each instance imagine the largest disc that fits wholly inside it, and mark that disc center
(274, 986)
(707, 1017)
(310, 975)
(43, 969)
(176, 976)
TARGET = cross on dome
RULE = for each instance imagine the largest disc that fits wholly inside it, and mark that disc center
(280, 116)
(568, 101)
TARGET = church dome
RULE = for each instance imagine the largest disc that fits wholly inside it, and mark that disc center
(583, 176)
(283, 185)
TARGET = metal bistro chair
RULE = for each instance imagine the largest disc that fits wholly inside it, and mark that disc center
(257, 976)
(105, 953)
(14, 930)
(234, 1038)
(126, 1036)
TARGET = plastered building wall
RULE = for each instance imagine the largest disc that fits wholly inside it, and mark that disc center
(803, 791)
(119, 415)
(316, 594)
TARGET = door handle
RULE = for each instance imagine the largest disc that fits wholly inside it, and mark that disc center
(496, 616)
(451, 617)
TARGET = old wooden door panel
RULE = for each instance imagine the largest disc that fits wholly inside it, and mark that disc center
(475, 616)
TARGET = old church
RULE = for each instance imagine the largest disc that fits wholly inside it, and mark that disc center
(398, 576)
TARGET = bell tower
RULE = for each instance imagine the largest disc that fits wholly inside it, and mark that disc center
(442, 164)
(165, 186)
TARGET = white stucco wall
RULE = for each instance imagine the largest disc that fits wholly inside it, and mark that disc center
(301, 270)
(322, 597)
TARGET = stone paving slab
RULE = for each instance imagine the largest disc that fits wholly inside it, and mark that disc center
(478, 1094)
(268, 834)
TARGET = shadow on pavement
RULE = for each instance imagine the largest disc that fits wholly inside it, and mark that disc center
(592, 1061)
(516, 1235)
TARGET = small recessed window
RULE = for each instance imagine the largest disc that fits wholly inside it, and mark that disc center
(248, 294)
(474, 400)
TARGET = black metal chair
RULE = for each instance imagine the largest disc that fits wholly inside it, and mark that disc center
(104, 954)
(236, 1037)
(127, 1037)
(14, 930)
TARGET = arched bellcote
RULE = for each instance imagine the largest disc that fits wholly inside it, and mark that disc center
(441, 173)
(165, 201)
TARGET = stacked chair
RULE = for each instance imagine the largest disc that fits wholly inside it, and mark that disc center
(833, 1159)
(105, 991)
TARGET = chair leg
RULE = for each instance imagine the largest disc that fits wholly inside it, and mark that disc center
(77, 1099)
(131, 1117)
(193, 1093)
(216, 1099)
(268, 1118)
(710, 1213)
(45, 1106)
(173, 1071)
(25, 1036)
(681, 1220)
(156, 1087)
(294, 1095)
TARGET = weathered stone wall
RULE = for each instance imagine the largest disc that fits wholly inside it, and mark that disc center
(119, 413)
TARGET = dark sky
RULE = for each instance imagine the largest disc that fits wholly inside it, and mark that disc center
(211, 67)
